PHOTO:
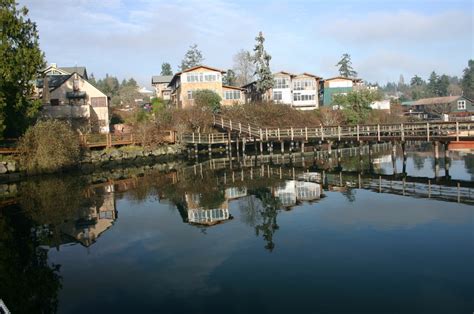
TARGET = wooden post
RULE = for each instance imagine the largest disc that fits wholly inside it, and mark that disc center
(266, 133)
(282, 147)
(240, 127)
(261, 134)
(322, 133)
(222, 122)
(291, 133)
(378, 132)
(402, 132)
(278, 133)
(230, 124)
(427, 132)
(250, 131)
(193, 137)
(358, 138)
(339, 132)
(457, 131)
(306, 132)
(199, 137)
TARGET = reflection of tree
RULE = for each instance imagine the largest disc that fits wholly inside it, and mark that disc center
(469, 164)
(418, 161)
(349, 194)
(28, 283)
(268, 213)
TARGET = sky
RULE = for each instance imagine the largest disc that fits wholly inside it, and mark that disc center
(132, 38)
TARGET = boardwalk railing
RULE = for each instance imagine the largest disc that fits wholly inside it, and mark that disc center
(413, 131)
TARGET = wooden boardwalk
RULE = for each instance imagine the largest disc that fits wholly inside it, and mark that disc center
(433, 131)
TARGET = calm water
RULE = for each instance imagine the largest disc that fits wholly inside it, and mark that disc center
(227, 237)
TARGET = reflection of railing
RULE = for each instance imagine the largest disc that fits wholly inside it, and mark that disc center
(439, 188)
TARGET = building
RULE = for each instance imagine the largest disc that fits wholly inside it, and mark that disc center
(338, 85)
(160, 83)
(381, 105)
(71, 97)
(53, 69)
(300, 91)
(185, 83)
(440, 107)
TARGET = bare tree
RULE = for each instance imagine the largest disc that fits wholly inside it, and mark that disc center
(438, 109)
(244, 67)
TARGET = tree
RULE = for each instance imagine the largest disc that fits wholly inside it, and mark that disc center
(206, 98)
(229, 78)
(244, 67)
(433, 84)
(443, 84)
(467, 81)
(401, 82)
(166, 69)
(416, 81)
(192, 58)
(262, 66)
(92, 80)
(21, 58)
(345, 66)
(356, 105)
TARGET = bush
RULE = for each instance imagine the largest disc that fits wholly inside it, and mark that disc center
(206, 98)
(49, 146)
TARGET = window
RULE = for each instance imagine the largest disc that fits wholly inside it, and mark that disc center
(300, 97)
(54, 102)
(281, 82)
(190, 95)
(303, 84)
(277, 96)
(202, 77)
(461, 105)
(231, 95)
(98, 101)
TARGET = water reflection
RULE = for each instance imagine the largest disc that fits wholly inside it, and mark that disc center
(255, 197)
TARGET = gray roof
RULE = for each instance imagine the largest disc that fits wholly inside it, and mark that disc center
(155, 79)
(80, 70)
(54, 81)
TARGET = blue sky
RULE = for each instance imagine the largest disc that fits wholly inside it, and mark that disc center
(132, 38)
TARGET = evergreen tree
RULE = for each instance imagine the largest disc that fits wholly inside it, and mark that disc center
(416, 81)
(345, 66)
(166, 69)
(433, 88)
(92, 80)
(21, 58)
(262, 66)
(132, 82)
(401, 81)
(229, 78)
(192, 58)
(443, 84)
(467, 82)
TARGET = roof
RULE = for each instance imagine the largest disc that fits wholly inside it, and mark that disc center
(54, 81)
(435, 100)
(232, 87)
(283, 72)
(194, 68)
(79, 70)
(309, 74)
(354, 79)
(156, 79)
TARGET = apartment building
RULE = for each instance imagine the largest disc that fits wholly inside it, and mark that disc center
(300, 91)
(184, 84)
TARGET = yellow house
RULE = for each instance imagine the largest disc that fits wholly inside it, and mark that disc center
(185, 83)
(71, 97)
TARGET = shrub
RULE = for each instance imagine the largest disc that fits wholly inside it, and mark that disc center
(206, 98)
(49, 146)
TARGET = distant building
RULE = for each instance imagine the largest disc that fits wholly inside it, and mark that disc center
(300, 91)
(338, 85)
(184, 84)
(381, 105)
(71, 97)
(160, 83)
(53, 69)
(440, 107)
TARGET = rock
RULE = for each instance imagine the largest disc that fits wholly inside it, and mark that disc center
(116, 154)
(3, 168)
(11, 166)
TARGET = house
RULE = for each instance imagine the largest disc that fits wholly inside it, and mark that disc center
(338, 85)
(71, 97)
(381, 105)
(53, 69)
(440, 107)
(185, 83)
(160, 83)
(300, 91)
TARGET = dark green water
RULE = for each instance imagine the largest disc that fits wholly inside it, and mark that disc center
(279, 237)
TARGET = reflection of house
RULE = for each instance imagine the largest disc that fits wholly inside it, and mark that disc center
(160, 82)
(436, 107)
(235, 192)
(94, 221)
(71, 97)
(197, 214)
(294, 191)
(184, 84)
